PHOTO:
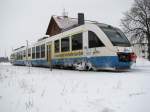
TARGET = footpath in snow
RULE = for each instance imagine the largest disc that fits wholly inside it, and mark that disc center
(42, 90)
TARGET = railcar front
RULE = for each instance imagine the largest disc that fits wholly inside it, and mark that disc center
(124, 56)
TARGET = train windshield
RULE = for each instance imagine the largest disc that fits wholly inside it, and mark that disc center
(116, 36)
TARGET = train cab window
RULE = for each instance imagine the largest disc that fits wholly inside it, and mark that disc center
(116, 36)
(65, 44)
(77, 41)
(93, 40)
(29, 52)
(37, 51)
(43, 51)
(33, 52)
(56, 44)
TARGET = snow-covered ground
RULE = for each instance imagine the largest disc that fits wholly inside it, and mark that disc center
(42, 90)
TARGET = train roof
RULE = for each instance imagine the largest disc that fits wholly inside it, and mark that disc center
(41, 40)
(19, 48)
(63, 23)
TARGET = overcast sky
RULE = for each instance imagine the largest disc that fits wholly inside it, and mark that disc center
(22, 20)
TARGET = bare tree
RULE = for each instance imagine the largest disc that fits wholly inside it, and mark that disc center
(136, 23)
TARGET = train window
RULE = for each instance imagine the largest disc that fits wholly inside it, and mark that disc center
(17, 56)
(37, 51)
(93, 40)
(77, 41)
(29, 52)
(43, 51)
(65, 44)
(33, 52)
(24, 53)
(20, 55)
(56, 44)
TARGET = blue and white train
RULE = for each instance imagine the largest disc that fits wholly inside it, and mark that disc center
(89, 46)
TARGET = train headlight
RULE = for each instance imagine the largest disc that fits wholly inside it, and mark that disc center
(126, 57)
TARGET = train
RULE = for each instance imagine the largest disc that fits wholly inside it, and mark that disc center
(90, 46)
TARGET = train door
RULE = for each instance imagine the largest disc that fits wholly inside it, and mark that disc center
(86, 51)
(49, 55)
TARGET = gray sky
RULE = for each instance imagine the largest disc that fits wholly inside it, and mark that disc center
(22, 20)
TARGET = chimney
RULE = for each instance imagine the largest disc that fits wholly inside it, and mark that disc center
(80, 18)
(65, 14)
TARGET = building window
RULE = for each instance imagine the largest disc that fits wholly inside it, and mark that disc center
(93, 40)
(33, 52)
(29, 52)
(65, 44)
(37, 51)
(43, 51)
(56, 44)
(77, 41)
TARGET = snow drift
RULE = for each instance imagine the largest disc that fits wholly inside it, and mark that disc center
(24, 89)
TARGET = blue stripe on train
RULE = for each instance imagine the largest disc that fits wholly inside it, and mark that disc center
(19, 62)
(40, 63)
(98, 62)
(109, 61)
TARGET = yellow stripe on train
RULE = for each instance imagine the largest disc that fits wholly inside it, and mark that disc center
(71, 54)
